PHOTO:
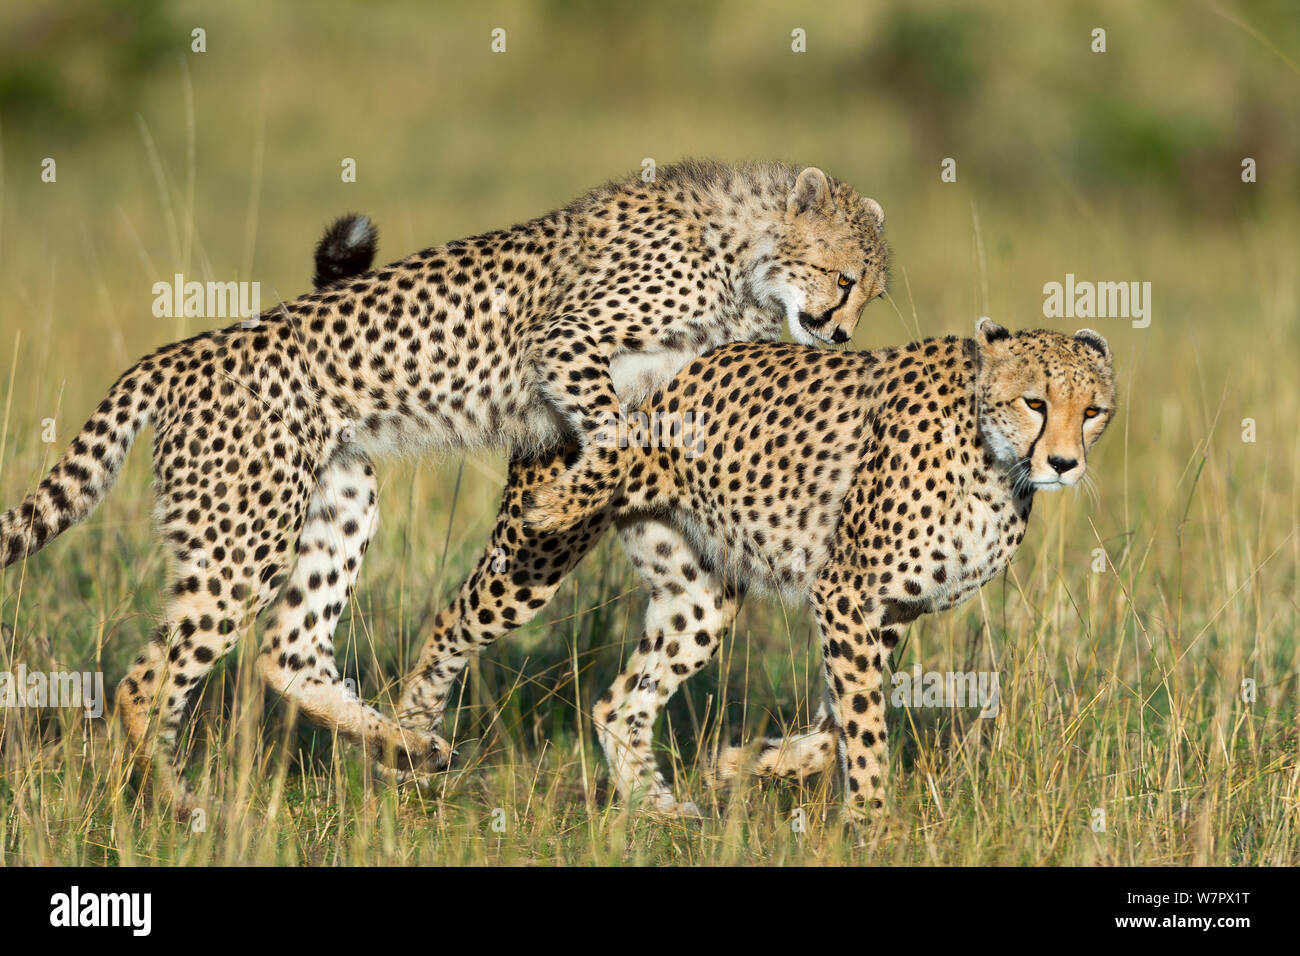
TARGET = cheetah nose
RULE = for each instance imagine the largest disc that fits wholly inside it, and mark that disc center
(1062, 465)
(839, 337)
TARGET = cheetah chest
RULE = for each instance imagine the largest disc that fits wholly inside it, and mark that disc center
(984, 532)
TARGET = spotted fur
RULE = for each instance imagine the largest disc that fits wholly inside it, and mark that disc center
(871, 486)
(517, 338)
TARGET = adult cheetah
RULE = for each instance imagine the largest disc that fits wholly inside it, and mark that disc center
(266, 495)
(872, 486)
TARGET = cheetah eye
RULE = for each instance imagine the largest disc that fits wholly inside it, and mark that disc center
(1036, 405)
(1092, 411)
(844, 281)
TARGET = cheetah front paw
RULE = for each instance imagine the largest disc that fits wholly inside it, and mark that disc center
(187, 808)
(565, 503)
(868, 816)
(408, 779)
(669, 809)
(417, 752)
(686, 810)
(657, 800)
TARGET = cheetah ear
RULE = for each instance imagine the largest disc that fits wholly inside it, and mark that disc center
(1094, 340)
(811, 193)
(874, 211)
(989, 332)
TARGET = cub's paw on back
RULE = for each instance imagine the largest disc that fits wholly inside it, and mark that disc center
(577, 495)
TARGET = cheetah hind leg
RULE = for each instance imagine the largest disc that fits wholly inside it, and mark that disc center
(202, 626)
(689, 607)
(297, 656)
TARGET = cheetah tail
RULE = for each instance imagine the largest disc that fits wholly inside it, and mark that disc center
(81, 478)
(347, 249)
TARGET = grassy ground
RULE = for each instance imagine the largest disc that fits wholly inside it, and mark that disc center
(1121, 687)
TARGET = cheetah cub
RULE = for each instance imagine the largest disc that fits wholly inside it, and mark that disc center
(266, 495)
(872, 486)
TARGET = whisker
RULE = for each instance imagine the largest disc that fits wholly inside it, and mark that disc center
(1018, 476)
(1091, 487)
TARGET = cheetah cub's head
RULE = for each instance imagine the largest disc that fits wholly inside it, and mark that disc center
(1044, 400)
(830, 260)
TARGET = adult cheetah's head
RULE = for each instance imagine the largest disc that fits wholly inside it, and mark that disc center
(830, 260)
(1044, 400)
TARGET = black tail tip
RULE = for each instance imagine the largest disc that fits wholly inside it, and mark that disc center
(347, 249)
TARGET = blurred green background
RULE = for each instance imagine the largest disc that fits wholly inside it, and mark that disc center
(1117, 166)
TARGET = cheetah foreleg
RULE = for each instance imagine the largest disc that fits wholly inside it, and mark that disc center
(576, 380)
(854, 648)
